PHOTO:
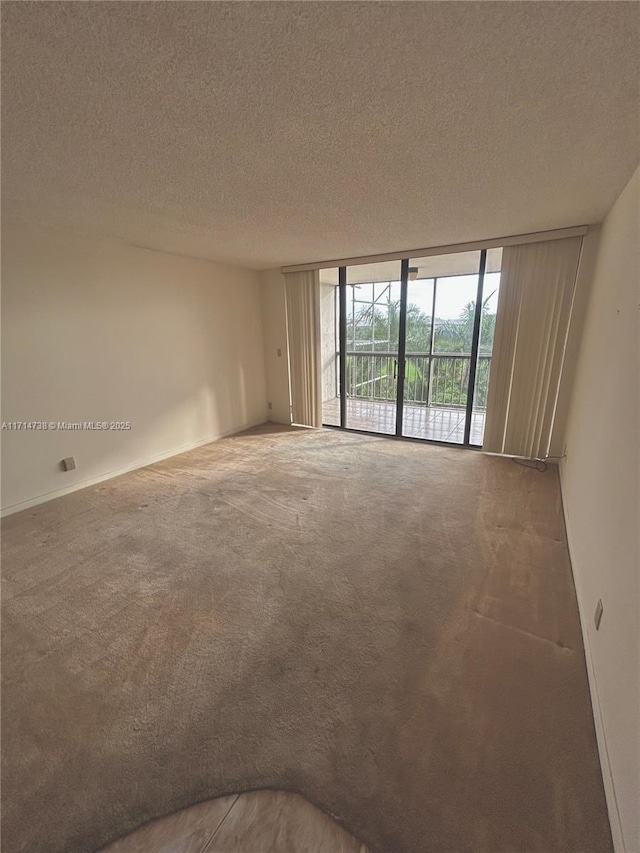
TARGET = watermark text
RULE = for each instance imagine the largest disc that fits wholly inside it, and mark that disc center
(61, 426)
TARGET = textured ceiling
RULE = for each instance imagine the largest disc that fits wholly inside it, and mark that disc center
(279, 133)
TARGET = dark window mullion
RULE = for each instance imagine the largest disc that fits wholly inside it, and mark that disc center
(475, 340)
(342, 288)
(402, 343)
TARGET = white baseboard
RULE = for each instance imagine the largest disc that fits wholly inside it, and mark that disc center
(605, 764)
(116, 472)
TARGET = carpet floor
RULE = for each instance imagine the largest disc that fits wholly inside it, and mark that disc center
(386, 628)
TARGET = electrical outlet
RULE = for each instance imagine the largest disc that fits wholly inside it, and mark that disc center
(270, 405)
(598, 614)
(68, 464)
(279, 353)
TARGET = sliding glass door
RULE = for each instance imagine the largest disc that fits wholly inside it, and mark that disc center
(371, 351)
(413, 346)
(442, 298)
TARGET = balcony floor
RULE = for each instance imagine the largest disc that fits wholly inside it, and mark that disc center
(431, 422)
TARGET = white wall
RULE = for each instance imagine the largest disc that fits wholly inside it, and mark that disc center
(276, 350)
(600, 484)
(95, 330)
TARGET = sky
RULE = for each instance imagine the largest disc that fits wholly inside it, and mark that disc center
(454, 293)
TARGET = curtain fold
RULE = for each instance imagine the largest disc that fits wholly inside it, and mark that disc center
(534, 308)
(302, 290)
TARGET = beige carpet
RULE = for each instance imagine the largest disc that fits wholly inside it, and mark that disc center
(387, 628)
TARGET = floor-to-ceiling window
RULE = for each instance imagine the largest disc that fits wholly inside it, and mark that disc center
(411, 345)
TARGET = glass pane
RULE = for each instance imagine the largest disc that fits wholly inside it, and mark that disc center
(437, 266)
(485, 348)
(455, 309)
(373, 320)
(437, 376)
(417, 365)
(329, 344)
(494, 260)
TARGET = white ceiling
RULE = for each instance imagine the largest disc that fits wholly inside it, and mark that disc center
(280, 133)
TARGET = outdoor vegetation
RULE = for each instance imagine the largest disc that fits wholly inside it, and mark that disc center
(438, 376)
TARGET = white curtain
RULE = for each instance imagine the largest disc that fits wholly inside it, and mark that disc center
(303, 330)
(534, 308)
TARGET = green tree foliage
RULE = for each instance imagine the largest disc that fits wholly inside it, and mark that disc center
(374, 328)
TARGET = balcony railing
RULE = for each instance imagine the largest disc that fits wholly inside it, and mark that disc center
(430, 380)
